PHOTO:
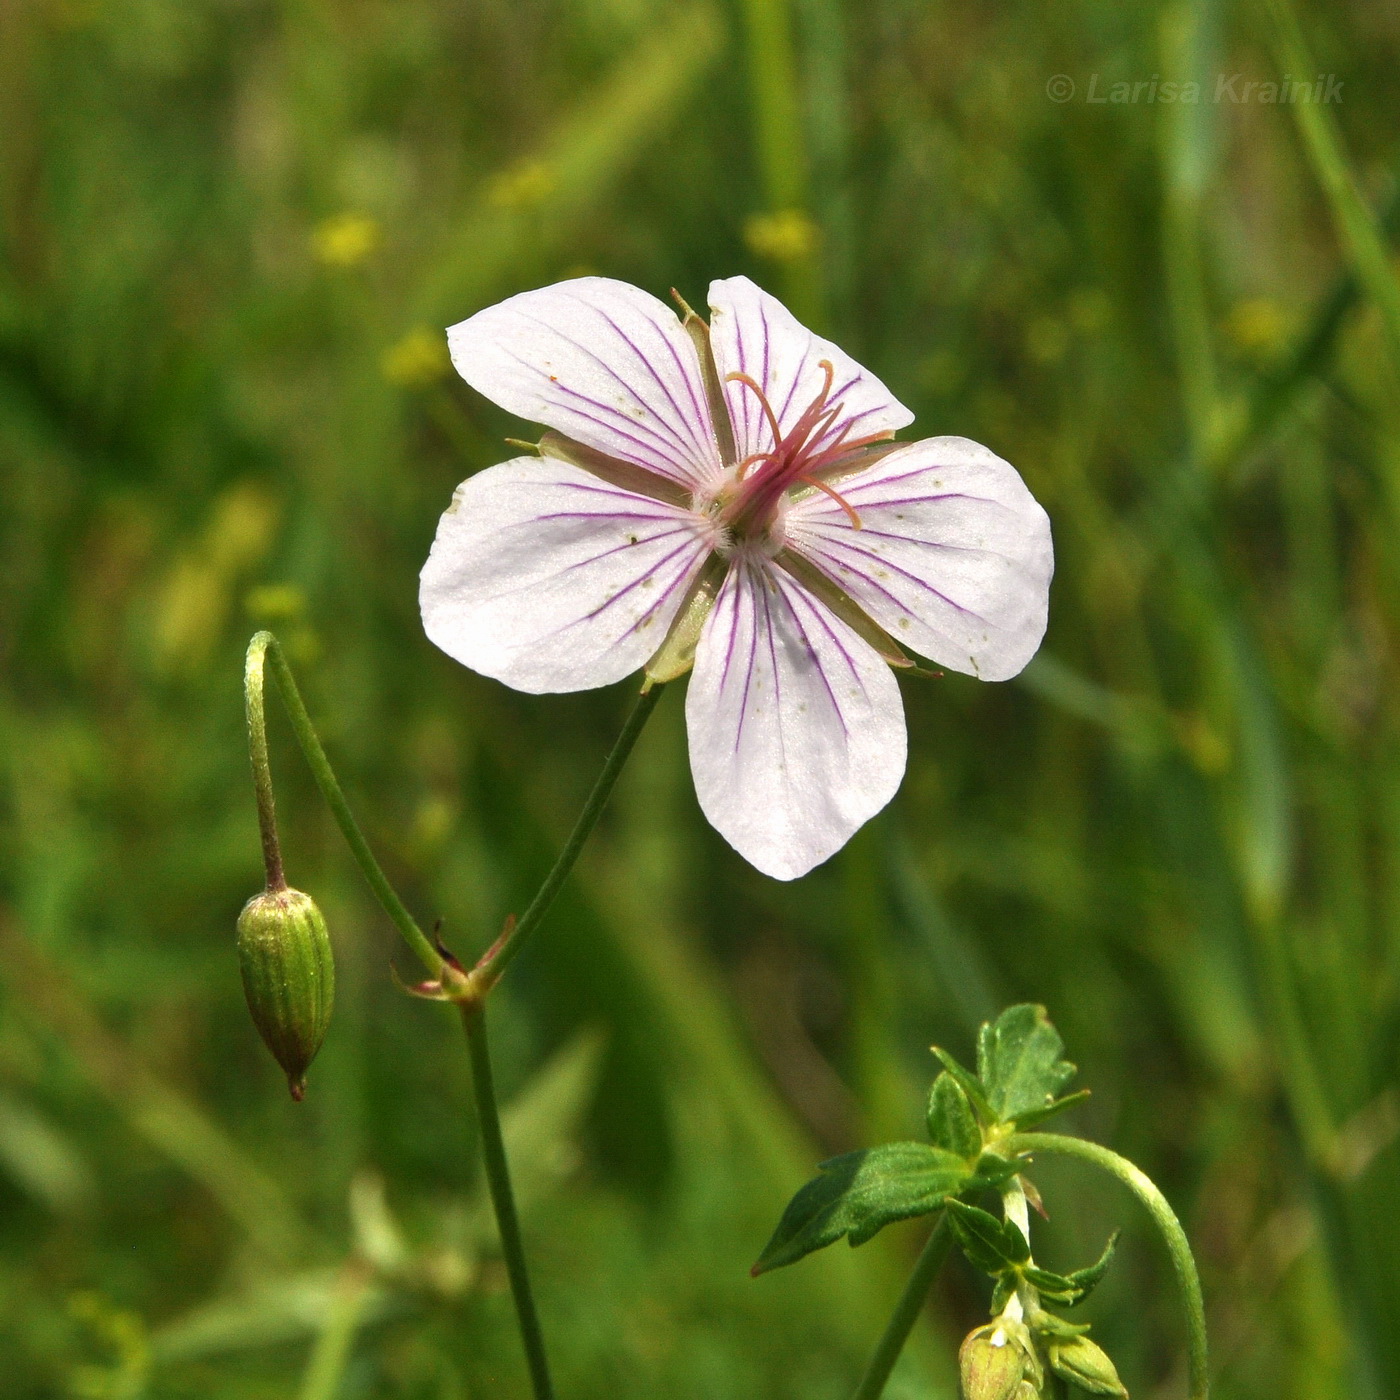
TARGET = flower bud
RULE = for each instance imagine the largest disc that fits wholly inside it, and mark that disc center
(1086, 1364)
(284, 953)
(992, 1363)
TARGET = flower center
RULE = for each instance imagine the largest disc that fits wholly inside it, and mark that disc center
(751, 501)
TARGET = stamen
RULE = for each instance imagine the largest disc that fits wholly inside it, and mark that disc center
(739, 378)
(835, 496)
(834, 451)
(748, 462)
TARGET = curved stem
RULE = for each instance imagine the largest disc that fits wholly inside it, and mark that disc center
(265, 647)
(262, 768)
(493, 1155)
(488, 971)
(906, 1313)
(1142, 1186)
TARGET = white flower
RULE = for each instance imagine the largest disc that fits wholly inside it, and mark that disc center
(730, 498)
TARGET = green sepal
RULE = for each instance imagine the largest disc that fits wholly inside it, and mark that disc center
(1084, 1281)
(1001, 1293)
(994, 1168)
(1023, 1121)
(992, 1245)
(626, 475)
(860, 1193)
(969, 1083)
(1019, 1062)
(676, 654)
(1046, 1324)
(1052, 1287)
(845, 607)
(1087, 1365)
(951, 1121)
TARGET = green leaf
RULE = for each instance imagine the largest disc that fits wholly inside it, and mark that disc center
(1070, 1289)
(1046, 1324)
(1055, 1288)
(860, 1193)
(1084, 1281)
(1019, 1064)
(969, 1083)
(951, 1121)
(1039, 1115)
(992, 1245)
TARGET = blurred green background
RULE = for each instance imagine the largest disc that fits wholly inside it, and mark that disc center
(233, 231)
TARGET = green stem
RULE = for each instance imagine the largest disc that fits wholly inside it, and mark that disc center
(499, 957)
(906, 1313)
(493, 1153)
(262, 767)
(325, 1369)
(265, 647)
(1146, 1191)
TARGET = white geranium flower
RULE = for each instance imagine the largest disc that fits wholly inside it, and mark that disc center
(730, 498)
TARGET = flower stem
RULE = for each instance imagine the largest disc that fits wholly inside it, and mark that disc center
(262, 768)
(488, 971)
(906, 1313)
(329, 1357)
(493, 1155)
(1141, 1185)
(265, 647)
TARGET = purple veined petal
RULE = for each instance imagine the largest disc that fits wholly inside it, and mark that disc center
(953, 558)
(796, 725)
(603, 362)
(548, 579)
(755, 334)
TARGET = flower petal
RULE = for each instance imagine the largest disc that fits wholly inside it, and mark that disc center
(601, 361)
(953, 558)
(548, 579)
(796, 725)
(755, 334)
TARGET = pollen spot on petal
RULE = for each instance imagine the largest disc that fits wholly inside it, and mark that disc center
(904, 622)
(631, 539)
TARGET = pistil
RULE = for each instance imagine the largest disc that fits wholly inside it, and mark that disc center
(753, 505)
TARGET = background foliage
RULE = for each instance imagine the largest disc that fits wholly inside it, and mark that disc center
(232, 232)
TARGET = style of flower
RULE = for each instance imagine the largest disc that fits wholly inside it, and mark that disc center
(729, 498)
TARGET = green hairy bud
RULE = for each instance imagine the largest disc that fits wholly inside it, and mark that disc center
(1086, 1364)
(995, 1361)
(284, 953)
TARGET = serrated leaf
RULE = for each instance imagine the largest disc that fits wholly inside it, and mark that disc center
(969, 1083)
(860, 1193)
(990, 1244)
(1039, 1115)
(952, 1124)
(1019, 1062)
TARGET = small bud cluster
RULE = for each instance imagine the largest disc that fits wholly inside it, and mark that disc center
(1007, 1359)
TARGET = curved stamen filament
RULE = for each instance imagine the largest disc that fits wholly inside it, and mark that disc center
(740, 378)
(748, 462)
(835, 496)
